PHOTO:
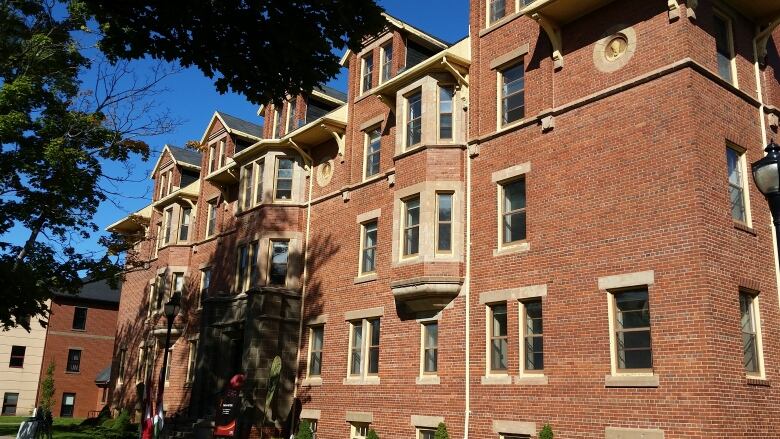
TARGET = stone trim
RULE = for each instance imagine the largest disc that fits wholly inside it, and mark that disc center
(317, 320)
(627, 280)
(311, 382)
(513, 294)
(508, 57)
(426, 421)
(599, 49)
(360, 314)
(368, 216)
(514, 427)
(532, 380)
(631, 381)
(427, 380)
(511, 172)
(372, 122)
(311, 414)
(365, 278)
(496, 379)
(362, 417)
(512, 249)
(368, 380)
(632, 433)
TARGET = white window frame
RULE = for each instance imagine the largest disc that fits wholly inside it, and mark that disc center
(365, 325)
(383, 63)
(421, 430)
(222, 153)
(292, 179)
(181, 223)
(245, 281)
(756, 314)
(743, 169)
(168, 226)
(363, 231)
(168, 367)
(489, 17)
(363, 64)
(157, 240)
(732, 53)
(366, 146)
(292, 108)
(407, 109)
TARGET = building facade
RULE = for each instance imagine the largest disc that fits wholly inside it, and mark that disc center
(548, 222)
(21, 353)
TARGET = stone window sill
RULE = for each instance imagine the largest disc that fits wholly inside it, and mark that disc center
(362, 381)
(755, 381)
(312, 382)
(428, 380)
(744, 227)
(496, 379)
(365, 278)
(499, 23)
(631, 381)
(532, 380)
(522, 247)
(68, 372)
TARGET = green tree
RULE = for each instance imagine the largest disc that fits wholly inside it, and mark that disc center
(304, 430)
(372, 434)
(441, 432)
(264, 49)
(47, 388)
(546, 433)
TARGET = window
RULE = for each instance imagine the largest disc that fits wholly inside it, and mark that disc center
(213, 157)
(103, 395)
(247, 185)
(152, 298)
(222, 153)
(168, 222)
(512, 94)
(74, 360)
(444, 222)
(749, 321)
(499, 345)
(446, 95)
(316, 334)
(736, 168)
(533, 350)
(632, 329)
(368, 244)
(121, 364)
(259, 181)
(211, 218)
(277, 274)
(191, 359)
(9, 404)
(359, 431)
(373, 148)
(205, 283)
(159, 292)
(247, 261)
(277, 123)
(178, 284)
(168, 360)
(312, 427)
(430, 347)
(284, 179)
(158, 239)
(140, 373)
(513, 211)
(497, 10)
(426, 433)
(414, 119)
(291, 110)
(17, 356)
(163, 184)
(724, 46)
(68, 403)
(387, 62)
(411, 238)
(184, 224)
(368, 70)
(364, 351)
(79, 318)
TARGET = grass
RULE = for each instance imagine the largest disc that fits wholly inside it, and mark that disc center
(64, 428)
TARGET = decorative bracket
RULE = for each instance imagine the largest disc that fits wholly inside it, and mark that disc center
(674, 9)
(387, 101)
(306, 157)
(554, 33)
(340, 141)
(462, 81)
(762, 40)
(690, 7)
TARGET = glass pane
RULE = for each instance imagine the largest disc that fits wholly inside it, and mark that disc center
(635, 340)
(414, 132)
(317, 334)
(498, 354)
(374, 332)
(431, 360)
(415, 106)
(640, 359)
(514, 227)
(734, 170)
(412, 241)
(533, 313)
(373, 360)
(315, 367)
(445, 237)
(737, 203)
(431, 335)
(513, 79)
(514, 196)
(445, 207)
(357, 346)
(499, 327)
(413, 212)
(369, 260)
(749, 352)
(279, 257)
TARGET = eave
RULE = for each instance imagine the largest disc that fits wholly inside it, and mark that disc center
(426, 294)
(132, 223)
(188, 194)
(446, 60)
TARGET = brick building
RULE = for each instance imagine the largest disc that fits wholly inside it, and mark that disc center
(80, 342)
(548, 222)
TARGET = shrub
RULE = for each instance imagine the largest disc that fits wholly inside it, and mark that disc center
(441, 432)
(304, 430)
(372, 434)
(122, 422)
(546, 432)
(47, 388)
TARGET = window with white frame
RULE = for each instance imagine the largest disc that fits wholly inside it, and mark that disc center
(168, 225)
(279, 261)
(247, 255)
(358, 431)
(750, 324)
(152, 298)
(737, 168)
(140, 372)
(364, 347)
(532, 360)
(222, 153)
(163, 184)
(283, 184)
(367, 73)
(292, 108)
(205, 284)
(444, 222)
(513, 214)
(498, 343)
(368, 246)
(184, 223)
(316, 339)
(157, 240)
(387, 62)
(211, 218)
(724, 47)
(277, 127)
(496, 10)
(121, 359)
(411, 226)
(373, 150)
(512, 93)
(191, 360)
(177, 284)
(631, 329)
(426, 433)
(413, 119)
(430, 347)
(446, 97)
(247, 186)
(213, 157)
(259, 170)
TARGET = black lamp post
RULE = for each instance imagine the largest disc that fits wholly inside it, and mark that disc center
(766, 175)
(171, 310)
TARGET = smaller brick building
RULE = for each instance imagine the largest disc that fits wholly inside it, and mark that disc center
(80, 341)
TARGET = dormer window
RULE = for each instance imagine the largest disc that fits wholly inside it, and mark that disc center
(217, 155)
(497, 9)
(413, 119)
(222, 153)
(387, 62)
(163, 184)
(291, 110)
(368, 69)
(277, 123)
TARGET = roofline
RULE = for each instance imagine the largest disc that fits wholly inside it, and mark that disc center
(175, 162)
(327, 97)
(227, 128)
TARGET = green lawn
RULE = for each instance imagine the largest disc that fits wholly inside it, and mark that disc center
(63, 427)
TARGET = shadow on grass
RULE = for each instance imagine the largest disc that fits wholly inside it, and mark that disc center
(67, 428)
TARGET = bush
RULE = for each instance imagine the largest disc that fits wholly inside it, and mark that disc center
(372, 434)
(441, 432)
(546, 432)
(122, 422)
(304, 430)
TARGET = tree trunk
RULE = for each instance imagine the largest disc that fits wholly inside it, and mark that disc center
(36, 229)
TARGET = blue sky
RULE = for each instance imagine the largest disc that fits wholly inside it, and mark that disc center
(192, 98)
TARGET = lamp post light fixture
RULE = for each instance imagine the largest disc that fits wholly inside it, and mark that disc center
(766, 175)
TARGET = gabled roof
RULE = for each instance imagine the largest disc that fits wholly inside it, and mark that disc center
(186, 158)
(99, 291)
(104, 376)
(332, 92)
(234, 125)
(401, 25)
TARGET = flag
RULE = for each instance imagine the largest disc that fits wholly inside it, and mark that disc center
(158, 416)
(146, 421)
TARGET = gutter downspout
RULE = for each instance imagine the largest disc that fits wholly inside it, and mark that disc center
(305, 278)
(467, 286)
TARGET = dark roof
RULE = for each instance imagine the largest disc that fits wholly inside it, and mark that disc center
(242, 125)
(442, 41)
(98, 291)
(183, 155)
(104, 376)
(332, 92)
